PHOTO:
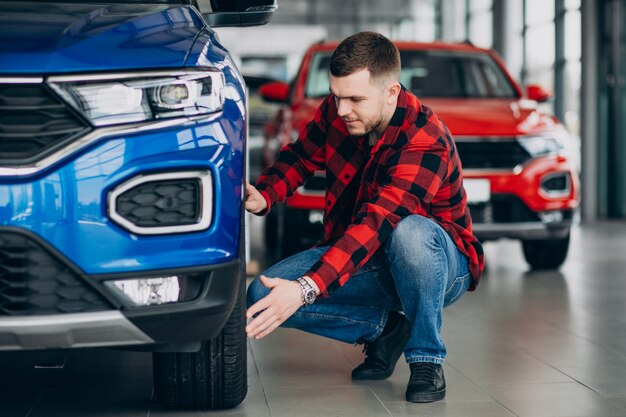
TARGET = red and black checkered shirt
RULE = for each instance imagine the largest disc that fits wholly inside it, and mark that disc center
(413, 169)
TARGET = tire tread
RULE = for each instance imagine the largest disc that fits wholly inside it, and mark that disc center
(213, 378)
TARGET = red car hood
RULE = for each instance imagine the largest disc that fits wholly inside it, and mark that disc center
(469, 117)
(490, 117)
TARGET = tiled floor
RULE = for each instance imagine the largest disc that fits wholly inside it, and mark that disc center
(524, 344)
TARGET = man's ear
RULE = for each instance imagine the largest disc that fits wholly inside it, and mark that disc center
(393, 91)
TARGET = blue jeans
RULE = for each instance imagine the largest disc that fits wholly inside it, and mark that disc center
(418, 271)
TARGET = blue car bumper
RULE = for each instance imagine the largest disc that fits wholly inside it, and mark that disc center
(58, 226)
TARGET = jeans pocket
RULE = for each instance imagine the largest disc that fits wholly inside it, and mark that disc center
(456, 290)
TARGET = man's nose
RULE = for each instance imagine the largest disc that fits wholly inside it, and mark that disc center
(343, 108)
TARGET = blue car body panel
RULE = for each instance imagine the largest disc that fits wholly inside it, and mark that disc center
(91, 37)
(65, 204)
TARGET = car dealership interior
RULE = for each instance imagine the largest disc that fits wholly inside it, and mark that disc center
(534, 95)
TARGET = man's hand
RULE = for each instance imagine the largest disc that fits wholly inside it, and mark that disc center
(255, 203)
(284, 299)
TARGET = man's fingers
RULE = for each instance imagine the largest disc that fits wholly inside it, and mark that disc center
(268, 282)
(269, 330)
(260, 305)
(283, 300)
(261, 322)
(255, 203)
(250, 189)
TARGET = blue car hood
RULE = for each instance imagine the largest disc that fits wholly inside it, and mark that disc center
(44, 38)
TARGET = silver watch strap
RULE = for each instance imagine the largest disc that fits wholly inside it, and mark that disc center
(305, 287)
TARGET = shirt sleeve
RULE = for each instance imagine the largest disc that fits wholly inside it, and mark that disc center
(413, 176)
(296, 161)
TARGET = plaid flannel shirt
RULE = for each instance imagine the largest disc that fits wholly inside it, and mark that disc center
(414, 168)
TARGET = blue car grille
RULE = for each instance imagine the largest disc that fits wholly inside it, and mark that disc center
(34, 123)
(161, 203)
(33, 281)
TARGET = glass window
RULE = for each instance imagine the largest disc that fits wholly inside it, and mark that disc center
(432, 74)
(425, 30)
(571, 97)
(480, 5)
(540, 47)
(480, 23)
(481, 29)
(543, 78)
(267, 66)
(422, 22)
(573, 34)
(317, 79)
(539, 11)
(572, 4)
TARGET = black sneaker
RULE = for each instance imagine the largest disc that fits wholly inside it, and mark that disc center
(383, 353)
(426, 384)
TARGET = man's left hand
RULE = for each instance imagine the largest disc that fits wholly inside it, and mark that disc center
(284, 299)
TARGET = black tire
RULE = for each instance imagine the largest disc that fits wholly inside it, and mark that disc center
(546, 254)
(213, 378)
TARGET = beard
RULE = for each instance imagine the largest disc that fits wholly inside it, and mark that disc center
(368, 127)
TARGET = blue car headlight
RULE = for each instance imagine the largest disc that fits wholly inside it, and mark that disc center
(108, 99)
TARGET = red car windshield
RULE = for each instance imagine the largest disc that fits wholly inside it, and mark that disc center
(426, 73)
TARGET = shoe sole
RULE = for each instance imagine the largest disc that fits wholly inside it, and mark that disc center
(420, 397)
(373, 377)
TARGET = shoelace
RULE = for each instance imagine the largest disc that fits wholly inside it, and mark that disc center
(424, 372)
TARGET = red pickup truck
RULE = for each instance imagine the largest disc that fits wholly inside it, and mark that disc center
(518, 177)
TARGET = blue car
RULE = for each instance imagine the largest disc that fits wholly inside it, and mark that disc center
(122, 170)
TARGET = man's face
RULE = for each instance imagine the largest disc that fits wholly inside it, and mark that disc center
(360, 102)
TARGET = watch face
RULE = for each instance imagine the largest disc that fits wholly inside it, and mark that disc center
(309, 297)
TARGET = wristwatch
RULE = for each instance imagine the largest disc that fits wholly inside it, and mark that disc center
(308, 292)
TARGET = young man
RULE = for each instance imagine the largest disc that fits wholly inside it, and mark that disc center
(398, 244)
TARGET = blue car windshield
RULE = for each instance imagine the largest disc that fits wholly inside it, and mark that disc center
(450, 74)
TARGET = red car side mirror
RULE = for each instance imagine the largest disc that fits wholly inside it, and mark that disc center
(538, 93)
(275, 92)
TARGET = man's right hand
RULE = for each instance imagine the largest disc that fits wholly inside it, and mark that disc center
(255, 203)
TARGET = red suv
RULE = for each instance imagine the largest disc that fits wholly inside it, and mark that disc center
(519, 180)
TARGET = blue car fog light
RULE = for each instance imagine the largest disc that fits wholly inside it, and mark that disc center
(147, 291)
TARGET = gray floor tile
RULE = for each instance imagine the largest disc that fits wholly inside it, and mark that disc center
(458, 387)
(320, 401)
(353, 353)
(574, 355)
(531, 344)
(554, 400)
(290, 358)
(506, 365)
(447, 409)
(620, 401)
(608, 381)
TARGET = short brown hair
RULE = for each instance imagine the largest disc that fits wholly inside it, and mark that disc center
(363, 50)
